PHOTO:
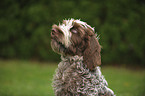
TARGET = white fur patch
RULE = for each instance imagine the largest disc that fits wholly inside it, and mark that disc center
(66, 31)
(65, 27)
(84, 24)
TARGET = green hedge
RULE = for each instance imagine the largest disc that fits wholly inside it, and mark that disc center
(25, 27)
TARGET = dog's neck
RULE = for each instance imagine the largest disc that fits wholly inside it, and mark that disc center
(68, 62)
(71, 59)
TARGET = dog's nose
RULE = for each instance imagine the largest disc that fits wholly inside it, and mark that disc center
(53, 30)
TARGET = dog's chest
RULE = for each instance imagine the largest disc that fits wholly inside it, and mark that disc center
(73, 76)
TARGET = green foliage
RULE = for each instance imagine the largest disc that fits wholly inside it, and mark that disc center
(23, 78)
(25, 27)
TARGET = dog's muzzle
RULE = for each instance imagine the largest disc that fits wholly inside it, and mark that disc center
(53, 33)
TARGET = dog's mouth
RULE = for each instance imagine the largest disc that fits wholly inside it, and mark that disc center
(57, 46)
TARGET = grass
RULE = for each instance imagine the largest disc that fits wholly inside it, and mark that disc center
(25, 78)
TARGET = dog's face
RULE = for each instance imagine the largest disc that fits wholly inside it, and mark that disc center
(74, 37)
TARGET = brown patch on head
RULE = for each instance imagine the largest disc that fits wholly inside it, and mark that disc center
(77, 39)
(92, 56)
(84, 43)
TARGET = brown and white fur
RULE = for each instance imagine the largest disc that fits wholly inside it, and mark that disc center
(78, 73)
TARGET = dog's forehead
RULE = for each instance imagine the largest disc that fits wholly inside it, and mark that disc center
(65, 28)
(70, 22)
(84, 24)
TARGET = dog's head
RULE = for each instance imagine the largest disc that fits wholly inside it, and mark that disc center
(74, 37)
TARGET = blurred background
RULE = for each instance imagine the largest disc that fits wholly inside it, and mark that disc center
(27, 62)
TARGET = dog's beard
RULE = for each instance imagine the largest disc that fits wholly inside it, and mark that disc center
(57, 46)
(61, 49)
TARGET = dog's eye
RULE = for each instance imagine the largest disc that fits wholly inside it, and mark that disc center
(73, 30)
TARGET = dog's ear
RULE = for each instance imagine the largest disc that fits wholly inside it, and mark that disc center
(91, 55)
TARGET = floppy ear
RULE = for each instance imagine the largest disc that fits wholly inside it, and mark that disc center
(91, 55)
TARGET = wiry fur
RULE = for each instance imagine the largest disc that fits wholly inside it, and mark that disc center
(77, 73)
(74, 79)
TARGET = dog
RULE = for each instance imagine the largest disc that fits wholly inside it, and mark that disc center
(78, 74)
